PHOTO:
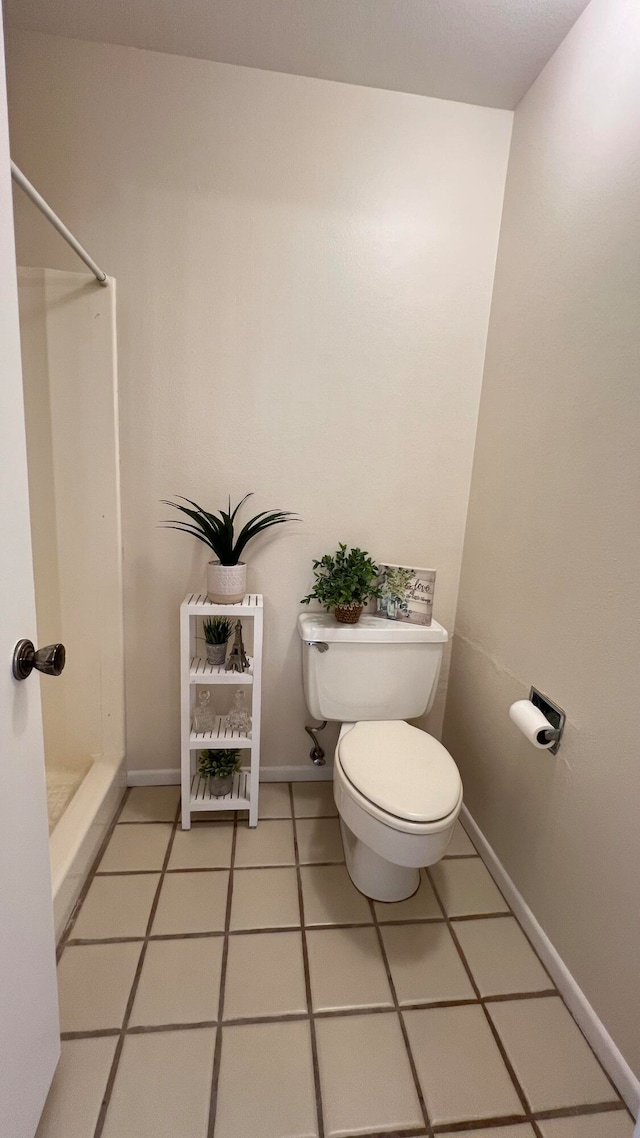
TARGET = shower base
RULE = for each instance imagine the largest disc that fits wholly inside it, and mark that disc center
(62, 783)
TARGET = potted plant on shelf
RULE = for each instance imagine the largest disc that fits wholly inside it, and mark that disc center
(219, 767)
(227, 574)
(345, 581)
(216, 633)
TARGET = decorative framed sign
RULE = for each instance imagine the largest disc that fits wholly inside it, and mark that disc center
(406, 593)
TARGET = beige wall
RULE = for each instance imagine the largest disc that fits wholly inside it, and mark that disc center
(304, 276)
(549, 592)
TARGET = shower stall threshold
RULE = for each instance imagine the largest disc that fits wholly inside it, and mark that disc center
(80, 831)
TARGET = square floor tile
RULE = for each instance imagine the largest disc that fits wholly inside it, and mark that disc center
(179, 982)
(94, 982)
(136, 848)
(75, 1098)
(265, 976)
(269, 843)
(204, 846)
(460, 843)
(116, 906)
(613, 1124)
(314, 799)
(465, 886)
(274, 800)
(500, 957)
(319, 840)
(151, 804)
(163, 1086)
(347, 969)
(365, 1075)
(422, 905)
(265, 898)
(550, 1056)
(425, 964)
(266, 1084)
(461, 1070)
(331, 898)
(192, 903)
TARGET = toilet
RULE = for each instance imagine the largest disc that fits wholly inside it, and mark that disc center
(397, 790)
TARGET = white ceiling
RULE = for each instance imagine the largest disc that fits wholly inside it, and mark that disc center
(476, 51)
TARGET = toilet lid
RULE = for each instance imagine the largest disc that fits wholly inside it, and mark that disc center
(401, 769)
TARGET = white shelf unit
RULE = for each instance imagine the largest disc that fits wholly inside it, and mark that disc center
(195, 672)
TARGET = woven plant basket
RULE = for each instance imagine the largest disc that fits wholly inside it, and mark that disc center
(348, 614)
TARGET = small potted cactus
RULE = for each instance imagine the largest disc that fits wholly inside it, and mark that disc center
(219, 767)
(216, 633)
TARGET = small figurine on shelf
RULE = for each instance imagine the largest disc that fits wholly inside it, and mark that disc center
(237, 661)
(203, 714)
(238, 718)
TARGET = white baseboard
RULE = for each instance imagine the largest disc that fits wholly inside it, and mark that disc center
(170, 776)
(166, 776)
(592, 1027)
(308, 773)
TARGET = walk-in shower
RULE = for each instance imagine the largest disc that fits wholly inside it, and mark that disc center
(70, 388)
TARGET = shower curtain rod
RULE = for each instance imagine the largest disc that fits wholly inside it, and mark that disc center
(46, 209)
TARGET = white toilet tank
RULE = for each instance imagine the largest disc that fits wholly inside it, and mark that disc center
(376, 669)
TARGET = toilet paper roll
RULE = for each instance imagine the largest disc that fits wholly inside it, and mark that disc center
(533, 724)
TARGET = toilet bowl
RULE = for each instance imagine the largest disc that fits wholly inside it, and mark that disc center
(397, 790)
(398, 793)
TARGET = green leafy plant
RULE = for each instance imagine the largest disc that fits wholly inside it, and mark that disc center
(344, 578)
(218, 763)
(218, 531)
(217, 630)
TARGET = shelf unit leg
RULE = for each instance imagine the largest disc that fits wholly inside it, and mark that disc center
(185, 719)
(256, 710)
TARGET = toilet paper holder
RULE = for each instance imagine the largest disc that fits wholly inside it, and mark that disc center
(553, 713)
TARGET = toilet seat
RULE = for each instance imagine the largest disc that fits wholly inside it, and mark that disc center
(400, 772)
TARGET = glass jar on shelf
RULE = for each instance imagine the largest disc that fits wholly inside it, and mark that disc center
(203, 714)
(238, 718)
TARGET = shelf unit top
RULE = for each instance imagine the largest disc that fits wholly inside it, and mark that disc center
(198, 604)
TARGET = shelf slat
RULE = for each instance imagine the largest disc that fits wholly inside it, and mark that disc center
(197, 604)
(221, 736)
(237, 799)
(200, 672)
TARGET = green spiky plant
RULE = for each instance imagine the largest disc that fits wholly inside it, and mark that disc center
(217, 630)
(218, 531)
(218, 763)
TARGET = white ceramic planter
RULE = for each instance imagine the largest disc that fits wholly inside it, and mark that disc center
(226, 584)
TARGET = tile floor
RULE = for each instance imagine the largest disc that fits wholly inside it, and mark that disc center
(227, 982)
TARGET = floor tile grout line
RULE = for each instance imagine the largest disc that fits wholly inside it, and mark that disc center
(307, 975)
(93, 868)
(403, 1026)
(75, 941)
(471, 1126)
(217, 1053)
(134, 986)
(280, 1017)
(283, 1017)
(505, 1058)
